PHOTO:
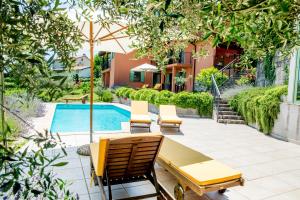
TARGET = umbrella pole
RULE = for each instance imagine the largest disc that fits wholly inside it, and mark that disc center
(85, 149)
(91, 80)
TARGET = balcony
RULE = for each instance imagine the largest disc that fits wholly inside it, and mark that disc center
(184, 58)
(106, 61)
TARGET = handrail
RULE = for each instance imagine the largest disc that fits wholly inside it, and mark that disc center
(215, 86)
(229, 64)
(216, 94)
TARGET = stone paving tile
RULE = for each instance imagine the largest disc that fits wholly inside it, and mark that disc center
(292, 195)
(79, 187)
(271, 167)
(69, 174)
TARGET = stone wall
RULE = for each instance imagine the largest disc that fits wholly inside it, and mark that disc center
(281, 74)
(287, 125)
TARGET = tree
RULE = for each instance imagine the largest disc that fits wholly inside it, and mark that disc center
(260, 27)
(32, 34)
(97, 66)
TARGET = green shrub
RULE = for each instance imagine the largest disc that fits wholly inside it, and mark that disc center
(126, 93)
(152, 96)
(164, 97)
(204, 77)
(132, 94)
(201, 101)
(85, 87)
(139, 93)
(259, 105)
(106, 96)
(120, 91)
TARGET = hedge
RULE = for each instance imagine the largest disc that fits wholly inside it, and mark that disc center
(202, 101)
(259, 105)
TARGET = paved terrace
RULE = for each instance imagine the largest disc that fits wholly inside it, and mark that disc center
(271, 167)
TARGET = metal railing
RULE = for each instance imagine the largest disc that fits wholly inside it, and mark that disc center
(216, 94)
(229, 71)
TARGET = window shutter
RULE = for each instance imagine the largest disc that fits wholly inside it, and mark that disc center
(131, 77)
(142, 77)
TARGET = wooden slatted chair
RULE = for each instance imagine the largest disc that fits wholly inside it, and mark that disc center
(125, 158)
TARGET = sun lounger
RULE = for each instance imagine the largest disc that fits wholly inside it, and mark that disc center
(139, 115)
(168, 117)
(125, 158)
(196, 171)
(82, 98)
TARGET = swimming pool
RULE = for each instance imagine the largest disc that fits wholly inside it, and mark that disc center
(76, 118)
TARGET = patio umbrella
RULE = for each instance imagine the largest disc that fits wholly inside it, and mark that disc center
(146, 67)
(108, 37)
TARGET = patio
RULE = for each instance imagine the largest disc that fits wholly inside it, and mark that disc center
(271, 167)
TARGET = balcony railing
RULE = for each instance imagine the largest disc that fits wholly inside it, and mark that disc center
(106, 61)
(183, 58)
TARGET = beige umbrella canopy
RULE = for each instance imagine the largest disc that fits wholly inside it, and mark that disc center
(146, 67)
(108, 37)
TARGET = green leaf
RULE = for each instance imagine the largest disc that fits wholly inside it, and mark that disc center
(16, 188)
(60, 164)
(6, 186)
(279, 24)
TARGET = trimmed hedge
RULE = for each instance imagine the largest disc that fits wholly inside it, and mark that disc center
(202, 101)
(259, 105)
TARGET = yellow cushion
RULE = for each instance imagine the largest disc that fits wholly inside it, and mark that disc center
(200, 169)
(140, 118)
(98, 153)
(170, 119)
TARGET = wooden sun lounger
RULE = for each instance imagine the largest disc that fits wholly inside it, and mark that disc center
(125, 158)
(82, 98)
(168, 117)
(140, 117)
(195, 171)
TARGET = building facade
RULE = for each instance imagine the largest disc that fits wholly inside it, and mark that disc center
(117, 68)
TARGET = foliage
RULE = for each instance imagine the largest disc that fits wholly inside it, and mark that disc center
(200, 101)
(231, 92)
(164, 97)
(259, 105)
(244, 80)
(97, 66)
(30, 30)
(204, 77)
(269, 69)
(106, 96)
(180, 78)
(26, 175)
(259, 27)
(85, 87)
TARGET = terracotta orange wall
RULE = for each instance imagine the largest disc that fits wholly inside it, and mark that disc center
(207, 61)
(120, 70)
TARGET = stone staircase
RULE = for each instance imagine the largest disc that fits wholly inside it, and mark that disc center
(226, 115)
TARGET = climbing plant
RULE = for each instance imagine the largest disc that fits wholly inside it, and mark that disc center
(269, 69)
(259, 106)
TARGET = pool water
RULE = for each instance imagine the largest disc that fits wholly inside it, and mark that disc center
(76, 118)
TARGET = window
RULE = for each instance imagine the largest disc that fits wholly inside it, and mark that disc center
(137, 76)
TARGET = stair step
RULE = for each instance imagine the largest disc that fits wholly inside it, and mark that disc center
(224, 105)
(227, 113)
(237, 117)
(231, 121)
(225, 109)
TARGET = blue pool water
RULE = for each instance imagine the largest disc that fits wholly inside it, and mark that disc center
(76, 118)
